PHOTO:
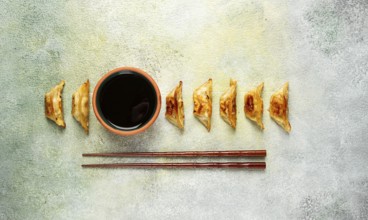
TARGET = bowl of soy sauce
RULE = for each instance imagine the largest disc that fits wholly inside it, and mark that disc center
(126, 101)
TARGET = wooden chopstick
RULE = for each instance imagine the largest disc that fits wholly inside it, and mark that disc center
(248, 165)
(231, 153)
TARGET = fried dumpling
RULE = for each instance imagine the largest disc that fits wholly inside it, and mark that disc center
(202, 98)
(253, 105)
(80, 105)
(175, 106)
(54, 104)
(279, 107)
(228, 105)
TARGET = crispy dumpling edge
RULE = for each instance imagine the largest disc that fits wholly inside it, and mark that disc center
(49, 104)
(257, 95)
(84, 123)
(283, 122)
(225, 113)
(176, 94)
(205, 120)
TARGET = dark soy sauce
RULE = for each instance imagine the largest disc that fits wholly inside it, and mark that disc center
(127, 100)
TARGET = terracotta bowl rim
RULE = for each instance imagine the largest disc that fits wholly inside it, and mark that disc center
(124, 132)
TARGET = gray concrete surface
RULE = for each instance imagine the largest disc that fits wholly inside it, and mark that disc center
(319, 171)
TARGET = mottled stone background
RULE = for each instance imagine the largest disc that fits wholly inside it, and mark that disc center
(319, 171)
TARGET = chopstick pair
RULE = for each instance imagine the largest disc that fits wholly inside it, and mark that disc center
(232, 153)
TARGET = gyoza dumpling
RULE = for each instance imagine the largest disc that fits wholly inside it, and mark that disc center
(279, 107)
(175, 107)
(80, 105)
(253, 105)
(54, 105)
(202, 98)
(228, 105)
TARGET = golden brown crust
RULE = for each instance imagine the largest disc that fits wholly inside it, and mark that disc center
(279, 107)
(202, 98)
(80, 105)
(228, 105)
(175, 107)
(253, 105)
(54, 104)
